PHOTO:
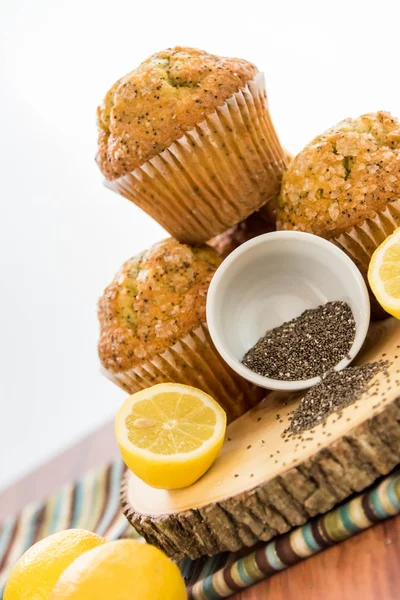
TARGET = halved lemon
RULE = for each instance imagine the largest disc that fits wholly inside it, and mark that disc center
(384, 274)
(170, 434)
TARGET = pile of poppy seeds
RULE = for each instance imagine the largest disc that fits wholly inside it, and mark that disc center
(305, 347)
(336, 391)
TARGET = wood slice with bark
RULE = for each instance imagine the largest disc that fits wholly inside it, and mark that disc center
(263, 484)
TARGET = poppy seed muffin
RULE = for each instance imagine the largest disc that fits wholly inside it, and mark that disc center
(154, 105)
(152, 326)
(346, 175)
(187, 136)
(345, 187)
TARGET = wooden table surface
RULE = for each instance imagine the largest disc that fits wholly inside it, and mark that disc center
(365, 567)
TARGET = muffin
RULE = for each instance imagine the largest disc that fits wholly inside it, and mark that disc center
(238, 234)
(153, 326)
(345, 186)
(187, 136)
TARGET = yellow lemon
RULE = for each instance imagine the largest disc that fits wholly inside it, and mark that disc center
(121, 570)
(35, 574)
(384, 274)
(170, 434)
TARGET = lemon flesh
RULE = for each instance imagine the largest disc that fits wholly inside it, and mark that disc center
(35, 574)
(119, 571)
(170, 434)
(384, 274)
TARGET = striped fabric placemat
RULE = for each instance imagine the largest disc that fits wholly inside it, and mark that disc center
(93, 503)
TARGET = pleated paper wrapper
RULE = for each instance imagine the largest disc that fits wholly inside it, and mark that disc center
(193, 360)
(361, 241)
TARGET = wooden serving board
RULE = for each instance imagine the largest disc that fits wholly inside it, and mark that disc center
(261, 484)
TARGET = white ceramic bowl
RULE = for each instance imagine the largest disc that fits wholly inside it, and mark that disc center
(270, 280)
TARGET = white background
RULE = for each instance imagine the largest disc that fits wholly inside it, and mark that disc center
(63, 235)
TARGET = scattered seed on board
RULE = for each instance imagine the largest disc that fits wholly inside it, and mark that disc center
(308, 346)
(336, 391)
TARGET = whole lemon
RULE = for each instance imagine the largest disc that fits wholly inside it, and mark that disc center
(121, 570)
(36, 572)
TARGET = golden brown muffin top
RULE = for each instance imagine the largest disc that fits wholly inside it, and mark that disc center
(343, 176)
(155, 299)
(154, 105)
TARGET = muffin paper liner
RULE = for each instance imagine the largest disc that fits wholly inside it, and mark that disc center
(361, 241)
(193, 360)
(214, 176)
(268, 212)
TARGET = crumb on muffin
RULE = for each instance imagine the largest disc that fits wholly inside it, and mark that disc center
(343, 176)
(154, 105)
(156, 298)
